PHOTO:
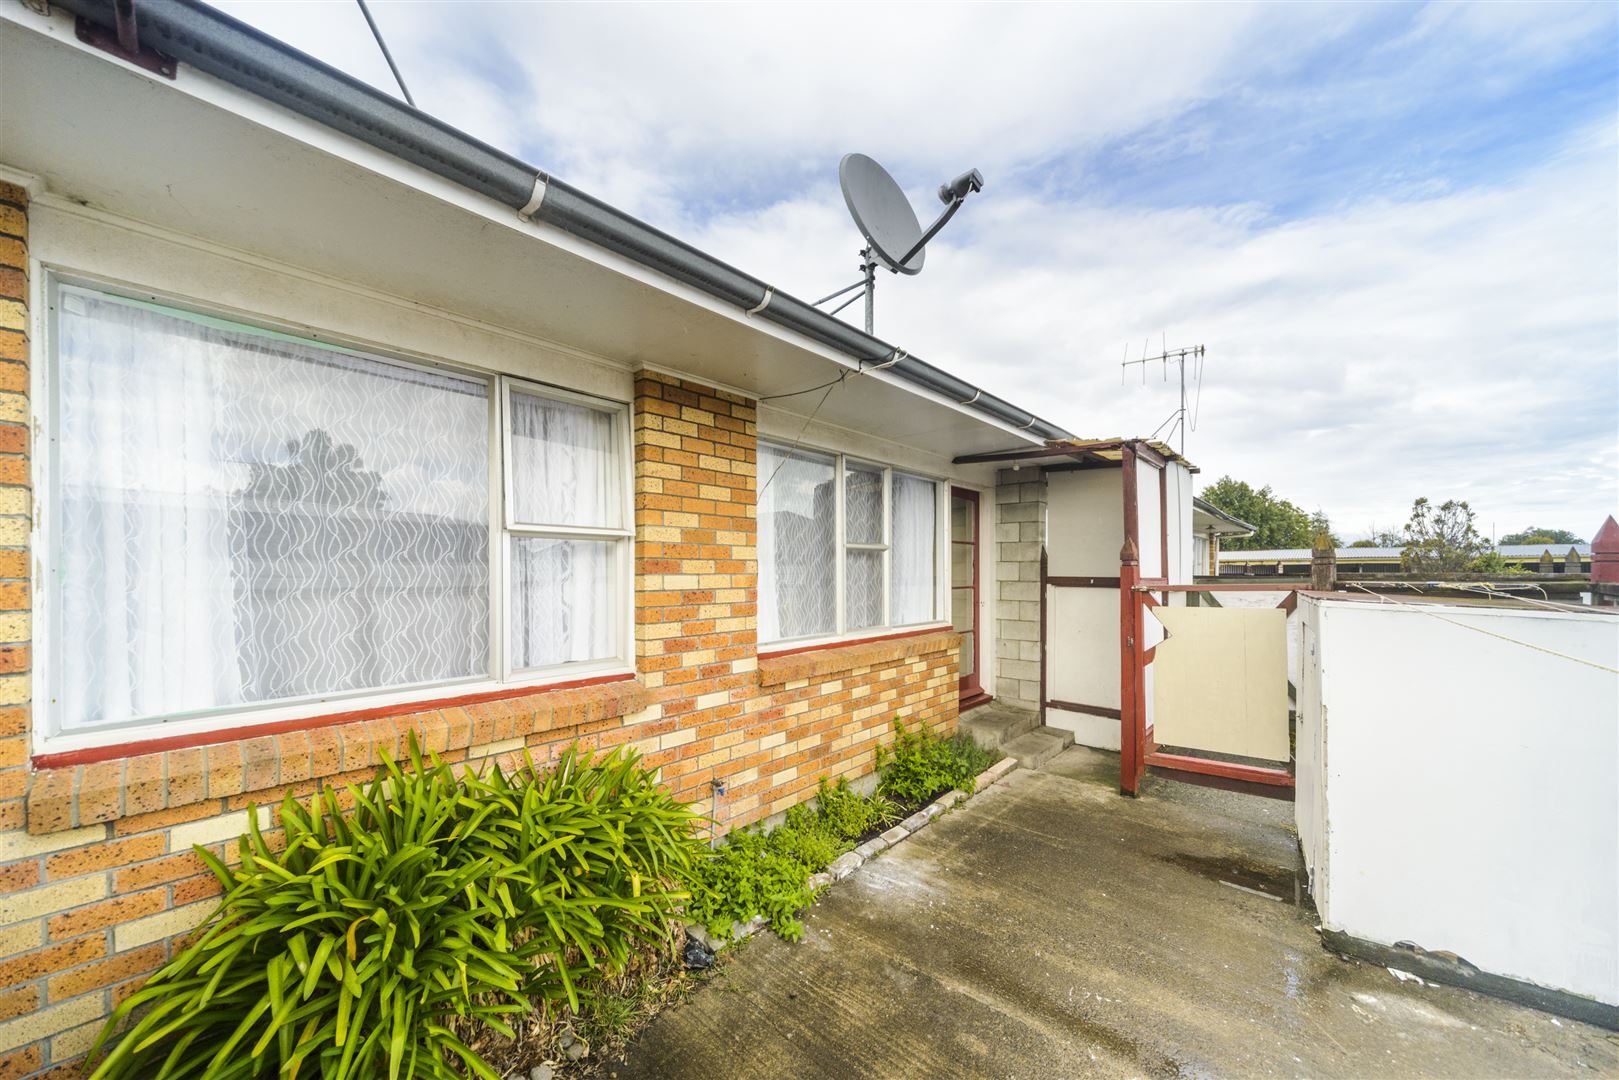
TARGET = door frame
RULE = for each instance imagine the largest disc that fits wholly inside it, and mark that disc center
(971, 687)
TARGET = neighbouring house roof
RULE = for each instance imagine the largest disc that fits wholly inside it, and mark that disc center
(1392, 554)
(1210, 518)
(1534, 551)
(224, 48)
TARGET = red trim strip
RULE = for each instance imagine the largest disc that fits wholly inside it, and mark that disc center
(856, 641)
(92, 754)
(1253, 774)
(1242, 586)
(1090, 710)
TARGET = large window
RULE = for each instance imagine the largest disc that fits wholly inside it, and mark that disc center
(844, 546)
(239, 519)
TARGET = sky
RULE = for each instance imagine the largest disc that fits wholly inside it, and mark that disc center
(1394, 228)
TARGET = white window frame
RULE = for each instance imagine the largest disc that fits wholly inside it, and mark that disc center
(623, 536)
(842, 546)
(245, 718)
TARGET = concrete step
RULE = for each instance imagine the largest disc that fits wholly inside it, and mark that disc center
(992, 726)
(1037, 747)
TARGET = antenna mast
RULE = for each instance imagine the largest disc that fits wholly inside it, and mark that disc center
(1178, 357)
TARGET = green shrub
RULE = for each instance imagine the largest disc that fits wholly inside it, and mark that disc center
(350, 952)
(921, 764)
(749, 877)
(766, 874)
(849, 814)
(807, 837)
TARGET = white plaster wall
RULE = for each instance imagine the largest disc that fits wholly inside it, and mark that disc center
(1085, 530)
(1310, 793)
(1178, 501)
(1084, 523)
(1150, 541)
(1459, 784)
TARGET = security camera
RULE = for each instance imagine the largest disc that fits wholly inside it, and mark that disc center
(958, 189)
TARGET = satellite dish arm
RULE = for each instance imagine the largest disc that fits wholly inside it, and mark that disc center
(949, 212)
(954, 194)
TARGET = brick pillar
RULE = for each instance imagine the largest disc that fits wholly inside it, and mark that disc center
(1323, 564)
(16, 505)
(696, 632)
(1020, 535)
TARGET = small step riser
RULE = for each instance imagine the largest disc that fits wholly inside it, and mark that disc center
(994, 732)
(1034, 749)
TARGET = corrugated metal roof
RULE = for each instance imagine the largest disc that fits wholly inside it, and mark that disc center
(1365, 554)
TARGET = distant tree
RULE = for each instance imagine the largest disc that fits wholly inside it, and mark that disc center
(1441, 539)
(1364, 544)
(1542, 536)
(1277, 523)
(1320, 525)
(1384, 538)
(1492, 564)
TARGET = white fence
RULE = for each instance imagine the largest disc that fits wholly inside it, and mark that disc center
(1458, 783)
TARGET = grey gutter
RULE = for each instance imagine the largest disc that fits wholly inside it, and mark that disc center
(213, 42)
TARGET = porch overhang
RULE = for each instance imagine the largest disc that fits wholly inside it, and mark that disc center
(1064, 454)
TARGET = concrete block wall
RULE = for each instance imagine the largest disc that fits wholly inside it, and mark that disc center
(1020, 537)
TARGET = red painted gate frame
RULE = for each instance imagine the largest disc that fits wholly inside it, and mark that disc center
(1137, 749)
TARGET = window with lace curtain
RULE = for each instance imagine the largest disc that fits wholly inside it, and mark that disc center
(845, 547)
(239, 519)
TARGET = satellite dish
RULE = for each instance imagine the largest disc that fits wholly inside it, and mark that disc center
(881, 212)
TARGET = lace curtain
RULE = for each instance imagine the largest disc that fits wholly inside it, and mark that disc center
(566, 467)
(913, 550)
(797, 544)
(567, 471)
(244, 518)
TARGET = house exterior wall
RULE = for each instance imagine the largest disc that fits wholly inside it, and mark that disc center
(1020, 536)
(1455, 764)
(99, 883)
(1086, 516)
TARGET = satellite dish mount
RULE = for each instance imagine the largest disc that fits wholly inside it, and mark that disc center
(895, 239)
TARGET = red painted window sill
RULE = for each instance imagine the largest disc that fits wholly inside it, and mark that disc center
(89, 755)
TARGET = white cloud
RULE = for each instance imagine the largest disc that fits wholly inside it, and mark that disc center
(1425, 335)
(1456, 346)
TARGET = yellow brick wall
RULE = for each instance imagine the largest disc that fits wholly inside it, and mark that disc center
(99, 883)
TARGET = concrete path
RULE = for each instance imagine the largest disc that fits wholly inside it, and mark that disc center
(1050, 928)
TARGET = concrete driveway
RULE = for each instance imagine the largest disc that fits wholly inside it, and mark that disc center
(1050, 928)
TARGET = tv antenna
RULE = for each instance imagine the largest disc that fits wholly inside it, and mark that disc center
(1178, 357)
(894, 237)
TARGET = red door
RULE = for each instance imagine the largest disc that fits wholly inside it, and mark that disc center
(964, 589)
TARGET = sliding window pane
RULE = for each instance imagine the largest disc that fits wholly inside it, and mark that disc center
(863, 586)
(863, 506)
(563, 601)
(797, 546)
(567, 467)
(915, 549)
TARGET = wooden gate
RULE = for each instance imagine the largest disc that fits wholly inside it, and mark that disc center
(1220, 694)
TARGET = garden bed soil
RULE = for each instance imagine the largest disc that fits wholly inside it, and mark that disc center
(904, 807)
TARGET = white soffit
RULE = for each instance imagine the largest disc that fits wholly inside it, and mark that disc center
(204, 159)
